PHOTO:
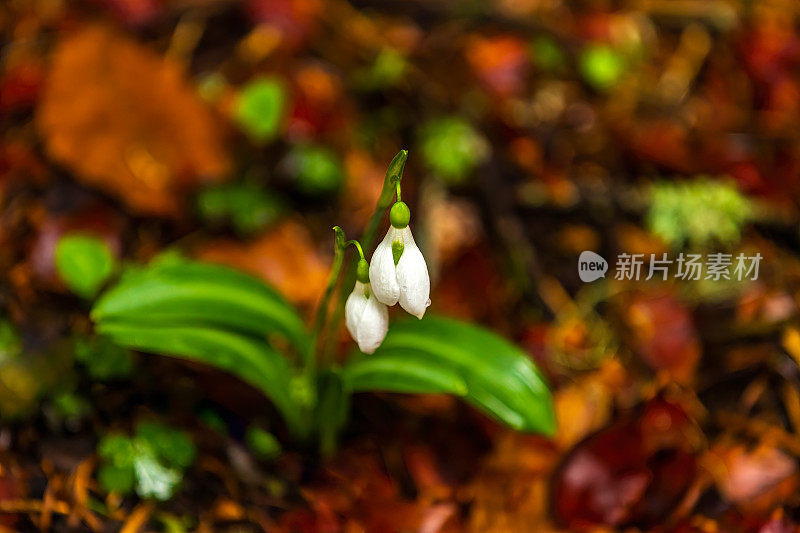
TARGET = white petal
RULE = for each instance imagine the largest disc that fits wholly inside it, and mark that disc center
(382, 275)
(354, 307)
(412, 277)
(373, 325)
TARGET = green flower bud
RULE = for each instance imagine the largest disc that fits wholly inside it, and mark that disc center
(362, 271)
(400, 215)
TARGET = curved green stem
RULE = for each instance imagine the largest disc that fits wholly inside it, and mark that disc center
(322, 311)
(357, 245)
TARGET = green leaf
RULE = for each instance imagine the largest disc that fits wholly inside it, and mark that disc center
(119, 480)
(116, 449)
(602, 66)
(153, 479)
(388, 69)
(173, 524)
(152, 462)
(388, 372)
(440, 355)
(10, 343)
(213, 420)
(698, 213)
(248, 207)
(249, 359)
(172, 446)
(83, 263)
(316, 169)
(71, 406)
(180, 292)
(332, 410)
(103, 359)
(260, 108)
(262, 443)
(548, 55)
(452, 148)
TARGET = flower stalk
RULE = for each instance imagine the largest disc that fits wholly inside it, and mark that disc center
(340, 244)
(391, 187)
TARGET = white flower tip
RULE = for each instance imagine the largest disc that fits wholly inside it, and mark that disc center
(369, 350)
(421, 313)
(413, 279)
(367, 319)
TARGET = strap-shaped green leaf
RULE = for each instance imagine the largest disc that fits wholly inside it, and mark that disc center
(249, 359)
(444, 355)
(177, 291)
(393, 370)
(332, 410)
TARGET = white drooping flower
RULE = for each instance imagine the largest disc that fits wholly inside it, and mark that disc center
(398, 272)
(367, 318)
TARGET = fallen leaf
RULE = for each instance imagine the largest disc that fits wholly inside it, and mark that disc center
(510, 491)
(293, 19)
(318, 107)
(633, 472)
(125, 121)
(355, 493)
(286, 257)
(586, 405)
(500, 63)
(747, 476)
(665, 336)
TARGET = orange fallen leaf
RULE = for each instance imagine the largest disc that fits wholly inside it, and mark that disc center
(125, 121)
(510, 491)
(587, 404)
(791, 343)
(286, 257)
(228, 510)
(500, 63)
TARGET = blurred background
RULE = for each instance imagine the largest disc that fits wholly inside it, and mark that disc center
(240, 132)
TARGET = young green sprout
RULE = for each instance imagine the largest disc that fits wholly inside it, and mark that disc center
(398, 271)
(367, 319)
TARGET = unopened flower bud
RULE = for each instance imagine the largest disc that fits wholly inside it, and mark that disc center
(367, 319)
(399, 215)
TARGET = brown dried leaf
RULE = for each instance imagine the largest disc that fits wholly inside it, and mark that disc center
(510, 491)
(755, 479)
(127, 122)
(355, 493)
(586, 405)
(664, 335)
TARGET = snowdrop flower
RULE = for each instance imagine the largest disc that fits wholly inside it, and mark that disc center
(398, 271)
(367, 318)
